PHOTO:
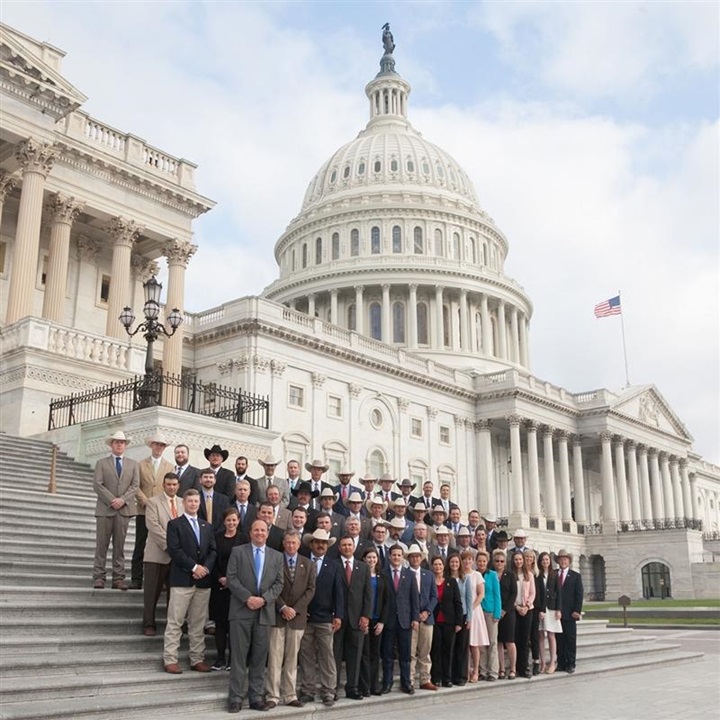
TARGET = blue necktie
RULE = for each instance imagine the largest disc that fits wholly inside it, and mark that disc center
(118, 466)
(258, 567)
(196, 528)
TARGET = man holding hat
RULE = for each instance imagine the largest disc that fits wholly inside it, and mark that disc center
(224, 478)
(317, 468)
(343, 490)
(152, 470)
(421, 641)
(116, 483)
(269, 464)
(570, 603)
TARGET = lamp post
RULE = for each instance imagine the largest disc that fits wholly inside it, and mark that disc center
(151, 329)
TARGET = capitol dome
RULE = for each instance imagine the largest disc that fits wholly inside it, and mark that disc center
(391, 243)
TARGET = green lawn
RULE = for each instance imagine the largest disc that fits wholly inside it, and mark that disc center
(634, 621)
(714, 603)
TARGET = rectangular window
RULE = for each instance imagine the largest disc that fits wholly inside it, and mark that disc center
(416, 427)
(105, 288)
(444, 435)
(296, 396)
(334, 406)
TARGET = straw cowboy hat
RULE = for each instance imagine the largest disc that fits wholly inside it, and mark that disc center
(319, 534)
(316, 464)
(119, 435)
(156, 438)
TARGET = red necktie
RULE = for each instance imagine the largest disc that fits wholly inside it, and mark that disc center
(562, 578)
(396, 579)
(344, 492)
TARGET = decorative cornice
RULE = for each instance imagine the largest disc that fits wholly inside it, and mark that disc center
(318, 379)
(277, 368)
(483, 425)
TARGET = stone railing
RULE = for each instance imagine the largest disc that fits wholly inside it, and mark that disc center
(645, 525)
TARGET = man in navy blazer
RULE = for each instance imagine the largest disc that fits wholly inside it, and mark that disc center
(192, 551)
(209, 495)
(403, 617)
(570, 602)
(421, 642)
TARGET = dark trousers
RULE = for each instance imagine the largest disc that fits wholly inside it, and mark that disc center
(370, 664)
(156, 578)
(141, 533)
(441, 653)
(567, 645)
(535, 635)
(523, 623)
(392, 636)
(460, 656)
(348, 646)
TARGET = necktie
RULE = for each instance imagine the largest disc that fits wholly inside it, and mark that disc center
(208, 507)
(258, 567)
(562, 578)
(344, 492)
(427, 504)
(381, 555)
(173, 508)
(396, 579)
(442, 552)
(196, 528)
(291, 568)
(118, 466)
(348, 572)
(242, 514)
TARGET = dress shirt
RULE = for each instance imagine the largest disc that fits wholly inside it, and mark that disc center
(318, 563)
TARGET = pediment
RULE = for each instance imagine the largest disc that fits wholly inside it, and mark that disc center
(648, 406)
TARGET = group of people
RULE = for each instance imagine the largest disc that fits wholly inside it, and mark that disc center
(311, 588)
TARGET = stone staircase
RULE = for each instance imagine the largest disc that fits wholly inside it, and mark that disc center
(68, 651)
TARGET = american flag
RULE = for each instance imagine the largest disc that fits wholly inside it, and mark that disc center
(608, 307)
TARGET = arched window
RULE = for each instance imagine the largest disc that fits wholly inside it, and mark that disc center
(446, 326)
(398, 310)
(355, 242)
(335, 246)
(351, 318)
(346, 172)
(397, 239)
(294, 264)
(422, 323)
(656, 581)
(377, 167)
(361, 168)
(484, 253)
(418, 240)
(375, 240)
(456, 246)
(304, 255)
(439, 249)
(375, 321)
(473, 250)
(318, 251)
(393, 165)
(376, 463)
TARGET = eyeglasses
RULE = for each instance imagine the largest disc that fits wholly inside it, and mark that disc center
(499, 562)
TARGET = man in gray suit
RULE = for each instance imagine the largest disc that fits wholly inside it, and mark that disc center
(116, 484)
(269, 478)
(255, 578)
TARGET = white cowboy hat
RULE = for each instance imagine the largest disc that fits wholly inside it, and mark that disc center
(316, 464)
(119, 435)
(319, 534)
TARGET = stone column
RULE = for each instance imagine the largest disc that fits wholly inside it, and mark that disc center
(517, 504)
(488, 501)
(655, 488)
(359, 311)
(524, 349)
(178, 253)
(63, 211)
(635, 506)
(533, 470)
(579, 478)
(311, 304)
(687, 495)
(502, 331)
(608, 484)
(123, 234)
(412, 315)
(621, 480)
(514, 336)
(677, 488)
(667, 490)
(486, 326)
(7, 185)
(647, 507)
(551, 512)
(439, 334)
(564, 462)
(386, 334)
(36, 160)
(464, 324)
(334, 306)
(692, 481)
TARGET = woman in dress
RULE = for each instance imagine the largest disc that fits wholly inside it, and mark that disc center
(225, 540)
(548, 614)
(460, 649)
(372, 642)
(506, 626)
(478, 631)
(448, 622)
(492, 610)
(523, 566)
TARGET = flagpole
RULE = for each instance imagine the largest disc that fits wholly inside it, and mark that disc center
(622, 326)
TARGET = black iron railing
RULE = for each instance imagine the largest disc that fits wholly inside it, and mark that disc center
(171, 391)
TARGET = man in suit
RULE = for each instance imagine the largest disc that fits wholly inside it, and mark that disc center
(441, 546)
(368, 482)
(282, 516)
(255, 580)
(269, 478)
(224, 478)
(212, 504)
(421, 641)
(387, 481)
(399, 512)
(293, 478)
(275, 534)
(357, 511)
(327, 505)
(305, 497)
(323, 523)
(159, 511)
(291, 612)
(317, 469)
(453, 522)
(570, 603)
(406, 487)
(241, 467)
(116, 483)
(241, 502)
(403, 618)
(152, 471)
(379, 541)
(491, 532)
(519, 542)
(325, 617)
(426, 497)
(352, 530)
(348, 640)
(343, 490)
(192, 551)
(188, 475)
(445, 500)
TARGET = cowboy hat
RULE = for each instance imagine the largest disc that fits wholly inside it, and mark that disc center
(216, 450)
(415, 549)
(319, 534)
(386, 477)
(376, 500)
(328, 492)
(316, 464)
(520, 533)
(406, 483)
(563, 553)
(119, 435)
(156, 438)
(490, 518)
(304, 486)
(269, 460)
(354, 497)
(368, 478)
(345, 472)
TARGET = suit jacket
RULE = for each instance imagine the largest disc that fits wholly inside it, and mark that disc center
(491, 540)
(296, 593)
(275, 538)
(508, 591)
(225, 483)
(434, 551)
(366, 526)
(570, 594)
(250, 515)
(220, 504)
(281, 483)
(185, 552)
(189, 478)
(329, 599)
(108, 486)
(339, 507)
(428, 595)
(242, 583)
(338, 524)
(451, 604)
(546, 595)
(254, 491)
(157, 517)
(403, 604)
(358, 593)
(283, 519)
(151, 482)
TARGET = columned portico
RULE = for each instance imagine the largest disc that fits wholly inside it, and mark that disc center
(124, 234)
(359, 310)
(533, 471)
(563, 462)
(178, 253)
(7, 184)
(621, 480)
(635, 506)
(502, 331)
(412, 311)
(517, 504)
(608, 484)
(581, 516)
(647, 507)
(551, 512)
(655, 485)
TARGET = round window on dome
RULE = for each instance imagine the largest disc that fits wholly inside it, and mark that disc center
(346, 172)
(376, 418)
(333, 176)
(410, 165)
(361, 168)
(393, 165)
(378, 166)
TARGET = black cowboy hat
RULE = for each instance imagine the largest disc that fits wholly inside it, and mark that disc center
(216, 449)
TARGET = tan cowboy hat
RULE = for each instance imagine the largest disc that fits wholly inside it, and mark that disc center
(119, 435)
(399, 501)
(490, 518)
(397, 523)
(442, 530)
(319, 534)
(563, 553)
(419, 507)
(328, 492)
(367, 478)
(316, 464)
(156, 438)
(354, 497)
(269, 460)
(386, 477)
(415, 549)
(376, 500)
(345, 472)
(464, 532)
(520, 533)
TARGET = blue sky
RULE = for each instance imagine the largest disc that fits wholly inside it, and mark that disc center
(590, 131)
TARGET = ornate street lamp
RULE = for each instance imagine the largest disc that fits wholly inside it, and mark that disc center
(151, 329)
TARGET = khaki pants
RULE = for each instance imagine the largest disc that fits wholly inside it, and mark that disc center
(281, 677)
(114, 527)
(489, 653)
(316, 652)
(420, 645)
(193, 602)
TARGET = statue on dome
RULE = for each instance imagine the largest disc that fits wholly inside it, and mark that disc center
(387, 39)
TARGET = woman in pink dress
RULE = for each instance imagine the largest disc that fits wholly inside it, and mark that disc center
(478, 628)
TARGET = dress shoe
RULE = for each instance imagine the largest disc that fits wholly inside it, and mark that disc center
(295, 703)
(201, 667)
(218, 665)
(306, 699)
(376, 692)
(328, 701)
(119, 585)
(149, 631)
(261, 706)
(173, 669)
(570, 670)
(408, 689)
(235, 707)
(536, 669)
(447, 684)
(99, 584)
(428, 686)
(490, 678)
(386, 689)
(270, 704)
(527, 675)
(134, 585)
(460, 683)
(354, 696)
